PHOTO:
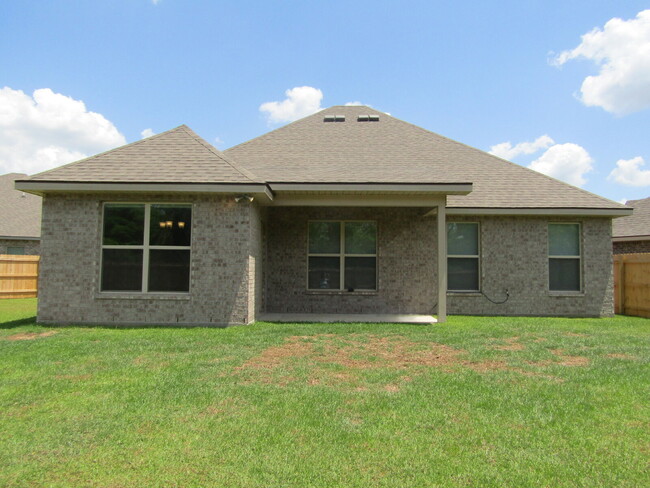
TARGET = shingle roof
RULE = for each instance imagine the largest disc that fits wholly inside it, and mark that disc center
(393, 151)
(175, 156)
(637, 224)
(20, 213)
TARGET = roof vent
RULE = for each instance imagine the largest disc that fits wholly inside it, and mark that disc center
(334, 118)
(368, 118)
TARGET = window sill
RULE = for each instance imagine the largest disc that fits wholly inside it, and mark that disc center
(464, 294)
(566, 293)
(141, 296)
(342, 292)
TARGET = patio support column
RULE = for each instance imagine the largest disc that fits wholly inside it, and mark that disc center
(442, 262)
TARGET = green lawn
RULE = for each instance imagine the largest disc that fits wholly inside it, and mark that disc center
(476, 402)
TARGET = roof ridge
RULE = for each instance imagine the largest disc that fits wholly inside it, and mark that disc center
(79, 161)
(302, 119)
(498, 159)
(243, 171)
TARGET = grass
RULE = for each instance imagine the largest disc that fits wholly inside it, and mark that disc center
(488, 402)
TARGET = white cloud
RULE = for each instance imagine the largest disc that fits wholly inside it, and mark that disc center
(567, 162)
(353, 104)
(155, 2)
(300, 102)
(507, 151)
(629, 172)
(621, 49)
(147, 133)
(218, 142)
(48, 129)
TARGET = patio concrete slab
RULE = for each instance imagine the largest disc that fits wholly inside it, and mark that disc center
(348, 317)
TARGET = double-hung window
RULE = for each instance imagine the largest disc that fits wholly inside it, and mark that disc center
(146, 247)
(342, 255)
(462, 256)
(564, 255)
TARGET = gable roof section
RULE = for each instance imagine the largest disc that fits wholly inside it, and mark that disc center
(175, 156)
(20, 213)
(635, 225)
(393, 151)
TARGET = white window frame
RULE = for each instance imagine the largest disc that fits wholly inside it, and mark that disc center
(476, 256)
(342, 255)
(145, 247)
(578, 257)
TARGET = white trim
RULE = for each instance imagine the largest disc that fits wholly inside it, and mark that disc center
(630, 238)
(442, 188)
(342, 255)
(591, 212)
(567, 257)
(39, 187)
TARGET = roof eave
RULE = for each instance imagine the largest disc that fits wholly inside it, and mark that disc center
(461, 188)
(631, 238)
(43, 187)
(548, 211)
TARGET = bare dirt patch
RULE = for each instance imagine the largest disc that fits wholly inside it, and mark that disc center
(512, 344)
(30, 336)
(566, 360)
(323, 356)
(575, 334)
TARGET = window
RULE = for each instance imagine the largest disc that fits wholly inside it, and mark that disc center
(462, 256)
(342, 256)
(18, 250)
(564, 257)
(146, 247)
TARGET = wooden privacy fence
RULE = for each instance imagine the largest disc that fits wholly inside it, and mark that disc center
(632, 284)
(18, 276)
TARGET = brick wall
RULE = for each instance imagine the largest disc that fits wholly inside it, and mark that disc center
(406, 265)
(631, 247)
(513, 256)
(219, 275)
(31, 247)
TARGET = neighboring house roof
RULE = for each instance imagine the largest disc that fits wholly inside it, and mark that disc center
(175, 156)
(20, 213)
(390, 150)
(635, 225)
(364, 155)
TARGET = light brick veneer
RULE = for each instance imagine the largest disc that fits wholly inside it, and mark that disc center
(513, 257)
(631, 247)
(32, 247)
(223, 243)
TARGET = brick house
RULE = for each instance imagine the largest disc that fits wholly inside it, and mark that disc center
(347, 211)
(632, 234)
(20, 218)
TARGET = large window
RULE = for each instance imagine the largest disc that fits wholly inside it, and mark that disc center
(146, 247)
(564, 269)
(462, 256)
(342, 256)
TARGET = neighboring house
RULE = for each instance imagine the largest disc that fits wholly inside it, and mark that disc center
(347, 211)
(20, 218)
(632, 234)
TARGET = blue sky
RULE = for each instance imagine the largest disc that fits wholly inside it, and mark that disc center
(80, 77)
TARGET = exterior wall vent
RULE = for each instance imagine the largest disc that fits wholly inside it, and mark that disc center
(368, 118)
(334, 118)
